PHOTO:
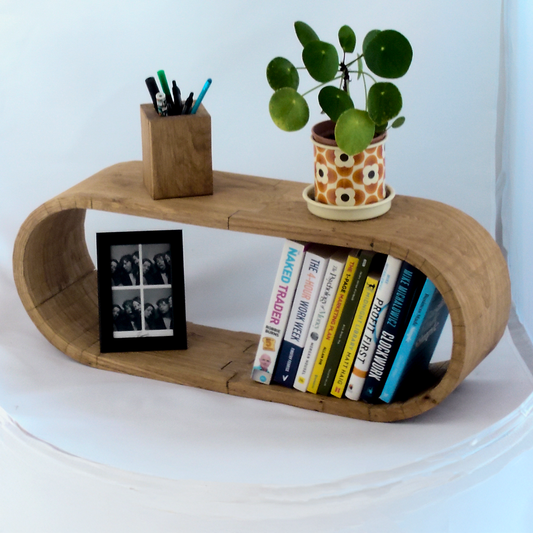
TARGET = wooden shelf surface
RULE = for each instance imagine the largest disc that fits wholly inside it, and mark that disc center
(56, 279)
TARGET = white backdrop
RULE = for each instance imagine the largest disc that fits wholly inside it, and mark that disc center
(515, 186)
(73, 78)
(71, 82)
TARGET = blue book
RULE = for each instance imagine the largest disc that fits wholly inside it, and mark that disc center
(408, 286)
(420, 339)
(288, 361)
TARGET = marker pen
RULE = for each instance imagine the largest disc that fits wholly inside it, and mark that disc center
(162, 108)
(176, 93)
(187, 105)
(153, 89)
(164, 86)
(206, 86)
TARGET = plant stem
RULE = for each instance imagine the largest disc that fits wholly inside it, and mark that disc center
(355, 60)
(345, 77)
(321, 85)
(363, 73)
(366, 93)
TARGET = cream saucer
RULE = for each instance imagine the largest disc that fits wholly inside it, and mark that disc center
(341, 212)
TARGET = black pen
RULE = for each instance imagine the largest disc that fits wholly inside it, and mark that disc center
(187, 105)
(153, 89)
(176, 93)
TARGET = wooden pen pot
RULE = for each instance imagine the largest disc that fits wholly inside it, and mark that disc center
(176, 152)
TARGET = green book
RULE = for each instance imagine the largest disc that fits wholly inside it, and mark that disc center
(366, 258)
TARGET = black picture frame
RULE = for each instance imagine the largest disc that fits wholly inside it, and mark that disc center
(127, 287)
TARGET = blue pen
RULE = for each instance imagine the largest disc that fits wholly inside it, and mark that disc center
(201, 96)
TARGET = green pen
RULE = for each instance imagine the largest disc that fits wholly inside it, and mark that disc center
(164, 86)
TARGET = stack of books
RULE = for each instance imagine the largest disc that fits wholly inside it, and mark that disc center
(348, 323)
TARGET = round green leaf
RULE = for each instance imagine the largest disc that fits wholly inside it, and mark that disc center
(334, 102)
(347, 39)
(369, 36)
(398, 122)
(354, 131)
(388, 54)
(305, 33)
(288, 109)
(282, 73)
(321, 60)
(384, 102)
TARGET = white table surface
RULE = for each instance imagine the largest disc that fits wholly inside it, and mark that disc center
(163, 451)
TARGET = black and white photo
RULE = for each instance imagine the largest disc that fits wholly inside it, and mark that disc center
(141, 291)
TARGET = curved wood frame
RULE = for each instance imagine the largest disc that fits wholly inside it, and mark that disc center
(56, 279)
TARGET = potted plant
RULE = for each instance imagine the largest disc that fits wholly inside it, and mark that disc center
(349, 147)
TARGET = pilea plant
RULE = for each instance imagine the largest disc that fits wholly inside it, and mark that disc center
(386, 54)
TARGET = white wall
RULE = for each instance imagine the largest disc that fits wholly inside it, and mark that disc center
(515, 179)
(72, 78)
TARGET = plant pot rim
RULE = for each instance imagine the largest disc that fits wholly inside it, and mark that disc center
(348, 213)
(322, 132)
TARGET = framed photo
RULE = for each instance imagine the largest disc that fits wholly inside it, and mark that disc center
(141, 291)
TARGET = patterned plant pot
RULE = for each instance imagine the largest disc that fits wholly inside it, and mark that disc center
(345, 180)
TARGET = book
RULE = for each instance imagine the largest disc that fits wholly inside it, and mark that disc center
(311, 276)
(278, 311)
(407, 288)
(420, 340)
(376, 318)
(366, 258)
(319, 321)
(333, 319)
(356, 331)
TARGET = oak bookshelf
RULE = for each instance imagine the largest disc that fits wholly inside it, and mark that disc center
(56, 279)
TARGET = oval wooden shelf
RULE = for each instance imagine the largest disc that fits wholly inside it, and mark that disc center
(56, 279)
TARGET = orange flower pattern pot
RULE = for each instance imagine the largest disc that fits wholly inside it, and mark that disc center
(346, 180)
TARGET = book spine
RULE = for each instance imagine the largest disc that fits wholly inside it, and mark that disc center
(325, 301)
(355, 334)
(376, 319)
(278, 311)
(331, 328)
(406, 292)
(419, 341)
(312, 274)
(345, 322)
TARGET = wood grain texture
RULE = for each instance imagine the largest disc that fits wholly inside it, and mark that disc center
(57, 284)
(177, 158)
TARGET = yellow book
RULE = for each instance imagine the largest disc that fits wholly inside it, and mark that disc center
(333, 321)
(355, 334)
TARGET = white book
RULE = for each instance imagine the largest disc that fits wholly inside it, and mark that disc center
(373, 327)
(326, 297)
(278, 311)
(311, 276)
